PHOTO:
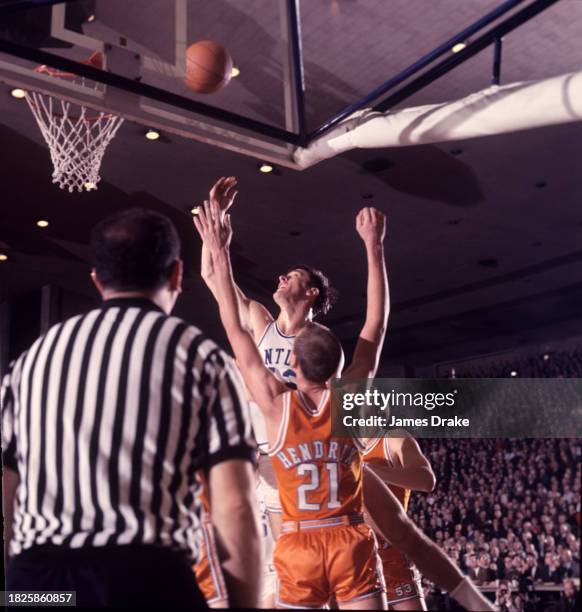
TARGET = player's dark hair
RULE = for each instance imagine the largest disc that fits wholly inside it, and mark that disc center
(327, 296)
(318, 352)
(134, 250)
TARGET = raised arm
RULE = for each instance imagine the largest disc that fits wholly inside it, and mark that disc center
(371, 226)
(391, 521)
(261, 383)
(414, 471)
(254, 316)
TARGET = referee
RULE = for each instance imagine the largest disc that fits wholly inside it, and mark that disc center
(105, 421)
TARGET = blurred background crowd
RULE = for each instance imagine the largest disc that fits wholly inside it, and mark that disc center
(508, 511)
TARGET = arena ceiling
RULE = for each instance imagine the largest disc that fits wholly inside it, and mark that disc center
(484, 236)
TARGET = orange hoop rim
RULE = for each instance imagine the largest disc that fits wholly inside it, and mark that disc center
(96, 60)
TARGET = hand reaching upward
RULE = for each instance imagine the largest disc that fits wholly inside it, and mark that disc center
(223, 193)
(371, 226)
(214, 227)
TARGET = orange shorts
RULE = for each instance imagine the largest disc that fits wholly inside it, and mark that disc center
(208, 571)
(402, 578)
(314, 564)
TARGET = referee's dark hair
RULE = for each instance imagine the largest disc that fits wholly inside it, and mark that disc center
(134, 250)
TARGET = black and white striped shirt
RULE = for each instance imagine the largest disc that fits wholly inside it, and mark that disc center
(106, 419)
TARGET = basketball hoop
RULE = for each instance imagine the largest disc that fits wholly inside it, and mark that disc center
(76, 139)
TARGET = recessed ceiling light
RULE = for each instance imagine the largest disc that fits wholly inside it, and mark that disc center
(195, 210)
(458, 47)
(513, 373)
(152, 134)
(265, 168)
(18, 93)
(234, 72)
(89, 185)
(546, 357)
(3, 257)
(42, 223)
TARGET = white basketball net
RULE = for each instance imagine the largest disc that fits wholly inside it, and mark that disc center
(77, 141)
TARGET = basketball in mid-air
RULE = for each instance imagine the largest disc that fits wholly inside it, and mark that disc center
(208, 66)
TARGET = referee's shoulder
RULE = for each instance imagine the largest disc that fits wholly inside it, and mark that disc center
(205, 346)
(16, 365)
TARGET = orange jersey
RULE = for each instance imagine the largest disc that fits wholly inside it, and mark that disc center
(318, 476)
(378, 452)
(402, 578)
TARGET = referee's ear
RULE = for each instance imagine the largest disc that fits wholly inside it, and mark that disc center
(176, 275)
(96, 281)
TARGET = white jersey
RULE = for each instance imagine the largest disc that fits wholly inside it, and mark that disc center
(275, 348)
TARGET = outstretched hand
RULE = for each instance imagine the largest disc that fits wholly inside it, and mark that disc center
(371, 225)
(215, 231)
(223, 193)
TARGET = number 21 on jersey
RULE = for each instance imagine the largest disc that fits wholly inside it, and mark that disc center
(313, 478)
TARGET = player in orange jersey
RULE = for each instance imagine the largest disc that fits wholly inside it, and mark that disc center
(208, 570)
(303, 293)
(326, 550)
(402, 466)
(389, 519)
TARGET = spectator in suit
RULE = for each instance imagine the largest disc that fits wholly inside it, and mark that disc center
(551, 571)
(508, 572)
(570, 599)
(532, 568)
(567, 563)
(482, 574)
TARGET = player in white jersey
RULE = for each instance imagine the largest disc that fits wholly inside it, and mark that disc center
(302, 294)
(275, 348)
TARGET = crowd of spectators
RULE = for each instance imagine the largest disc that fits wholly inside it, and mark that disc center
(564, 363)
(508, 510)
